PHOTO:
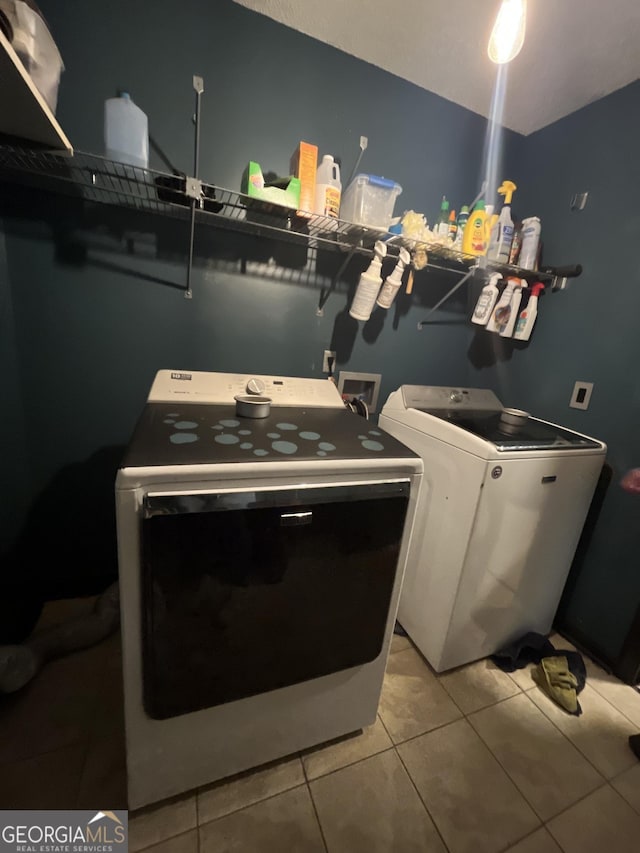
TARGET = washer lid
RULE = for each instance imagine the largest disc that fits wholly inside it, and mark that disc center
(534, 434)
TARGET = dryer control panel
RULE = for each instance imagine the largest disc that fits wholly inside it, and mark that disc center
(222, 388)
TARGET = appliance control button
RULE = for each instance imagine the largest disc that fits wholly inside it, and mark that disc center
(255, 386)
(455, 397)
(496, 472)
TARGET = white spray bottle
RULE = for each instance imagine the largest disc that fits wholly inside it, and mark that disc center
(505, 313)
(528, 315)
(486, 301)
(392, 282)
(502, 232)
(369, 285)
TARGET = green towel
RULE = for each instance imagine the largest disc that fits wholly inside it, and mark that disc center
(554, 677)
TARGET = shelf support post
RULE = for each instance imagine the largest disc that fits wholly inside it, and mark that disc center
(198, 85)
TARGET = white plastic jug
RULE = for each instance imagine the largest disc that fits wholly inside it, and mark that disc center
(126, 132)
(328, 188)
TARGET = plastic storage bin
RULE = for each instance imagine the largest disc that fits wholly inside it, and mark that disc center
(35, 46)
(369, 200)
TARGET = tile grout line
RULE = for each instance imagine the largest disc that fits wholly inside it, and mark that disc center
(315, 811)
(442, 725)
(424, 805)
(163, 840)
(197, 795)
(526, 799)
(584, 755)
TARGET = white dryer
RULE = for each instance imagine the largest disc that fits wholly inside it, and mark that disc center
(261, 561)
(499, 516)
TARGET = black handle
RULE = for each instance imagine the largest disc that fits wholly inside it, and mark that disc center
(563, 272)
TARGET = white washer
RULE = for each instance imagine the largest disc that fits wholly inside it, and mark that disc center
(260, 567)
(498, 521)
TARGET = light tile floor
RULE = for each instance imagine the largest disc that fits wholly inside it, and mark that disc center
(470, 761)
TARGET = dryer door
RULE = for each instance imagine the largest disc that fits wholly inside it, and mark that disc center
(248, 591)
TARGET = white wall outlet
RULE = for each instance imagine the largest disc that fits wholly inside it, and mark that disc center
(326, 368)
(581, 395)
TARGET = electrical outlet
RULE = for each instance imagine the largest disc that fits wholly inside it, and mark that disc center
(328, 353)
(581, 395)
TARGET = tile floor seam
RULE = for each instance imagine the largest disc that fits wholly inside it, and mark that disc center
(168, 838)
(71, 743)
(522, 793)
(619, 710)
(197, 796)
(415, 787)
(350, 764)
(483, 707)
(584, 755)
(85, 761)
(316, 813)
(249, 805)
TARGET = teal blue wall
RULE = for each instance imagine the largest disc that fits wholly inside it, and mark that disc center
(93, 322)
(588, 332)
(83, 334)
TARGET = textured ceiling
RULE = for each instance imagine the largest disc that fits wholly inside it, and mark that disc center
(575, 51)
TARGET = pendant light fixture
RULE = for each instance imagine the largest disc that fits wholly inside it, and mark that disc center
(507, 35)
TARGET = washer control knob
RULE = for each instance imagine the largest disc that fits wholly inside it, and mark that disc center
(456, 396)
(255, 386)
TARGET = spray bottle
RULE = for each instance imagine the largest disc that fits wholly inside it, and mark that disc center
(392, 283)
(528, 314)
(486, 301)
(505, 313)
(369, 285)
(502, 233)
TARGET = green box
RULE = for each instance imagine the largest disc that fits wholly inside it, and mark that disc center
(284, 192)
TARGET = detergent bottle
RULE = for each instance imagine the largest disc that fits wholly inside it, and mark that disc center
(474, 240)
(502, 231)
(328, 188)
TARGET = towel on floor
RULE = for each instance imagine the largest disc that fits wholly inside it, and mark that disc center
(533, 648)
(530, 648)
(556, 679)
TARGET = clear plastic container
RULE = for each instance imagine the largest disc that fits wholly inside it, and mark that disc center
(369, 200)
(35, 46)
(126, 132)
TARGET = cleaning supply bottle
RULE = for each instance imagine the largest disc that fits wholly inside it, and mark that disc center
(505, 313)
(474, 241)
(453, 227)
(502, 232)
(392, 282)
(328, 188)
(531, 229)
(486, 301)
(442, 225)
(126, 131)
(527, 316)
(463, 216)
(369, 285)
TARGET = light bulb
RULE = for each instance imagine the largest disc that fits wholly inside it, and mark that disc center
(507, 35)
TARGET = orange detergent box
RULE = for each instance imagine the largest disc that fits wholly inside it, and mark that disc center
(303, 165)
